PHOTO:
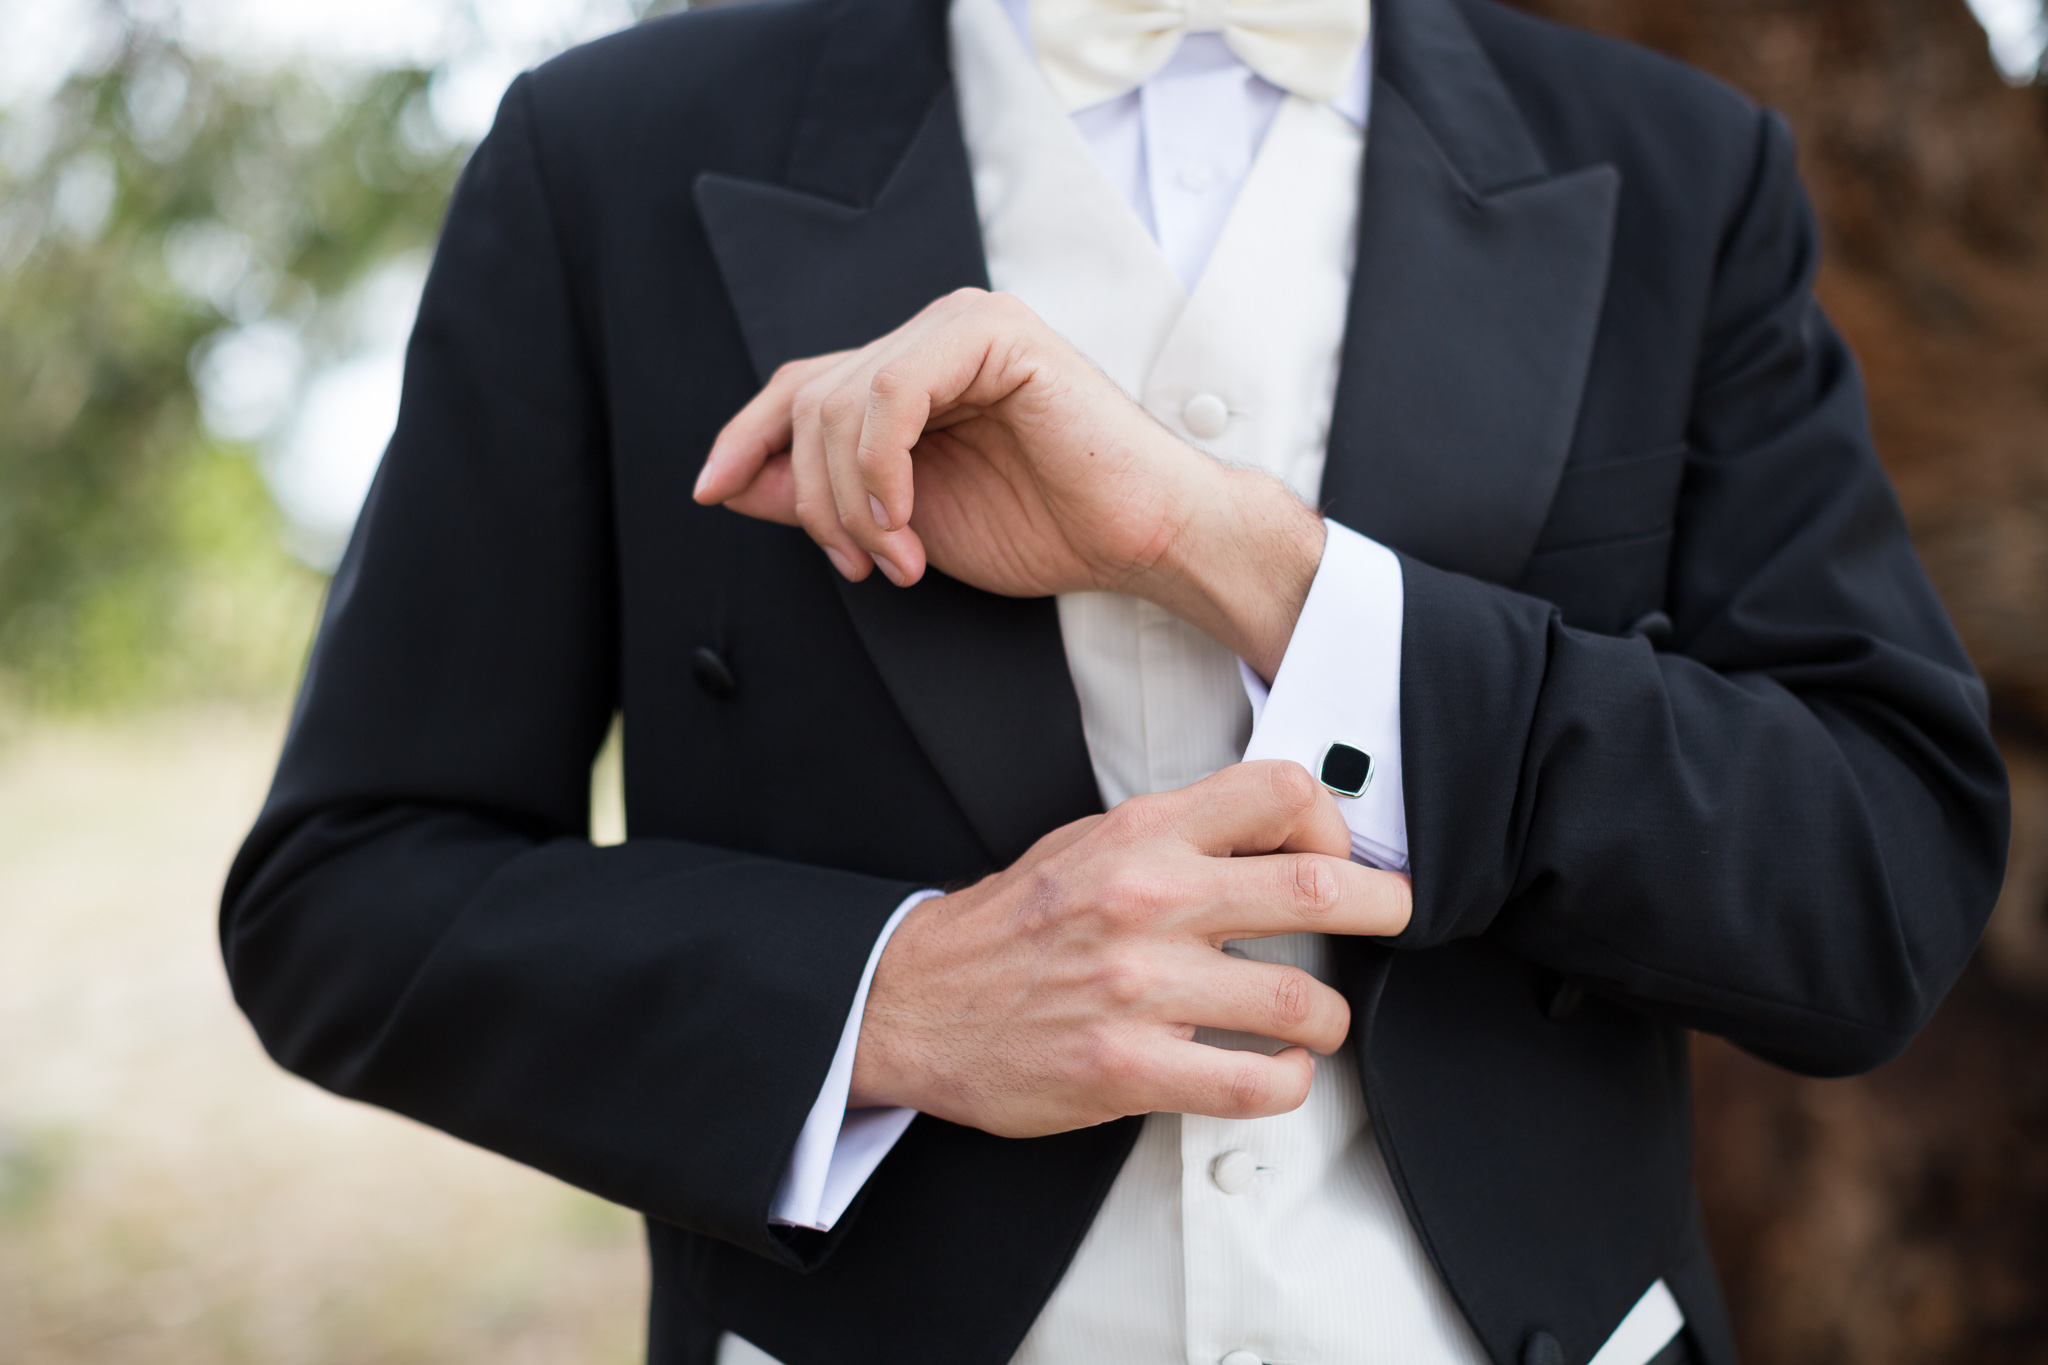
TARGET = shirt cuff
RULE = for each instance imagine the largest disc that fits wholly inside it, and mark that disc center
(1646, 1330)
(1340, 682)
(838, 1150)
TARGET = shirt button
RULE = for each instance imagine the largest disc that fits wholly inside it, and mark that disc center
(1240, 1358)
(1233, 1173)
(1205, 415)
(1196, 177)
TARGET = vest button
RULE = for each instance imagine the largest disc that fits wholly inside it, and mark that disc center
(1542, 1349)
(711, 673)
(1205, 416)
(1234, 1171)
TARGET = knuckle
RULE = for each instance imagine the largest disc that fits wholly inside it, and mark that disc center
(1108, 1062)
(810, 393)
(1140, 819)
(1293, 788)
(815, 512)
(886, 383)
(1128, 982)
(1313, 883)
(1248, 1089)
(1134, 894)
(839, 407)
(1293, 997)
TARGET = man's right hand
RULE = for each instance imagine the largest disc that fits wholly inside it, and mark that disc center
(1065, 991)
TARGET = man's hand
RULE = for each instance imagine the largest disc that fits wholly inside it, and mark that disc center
(974, 437)
(1066, 990)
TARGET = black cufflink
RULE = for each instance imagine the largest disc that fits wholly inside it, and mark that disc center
(1345, 770)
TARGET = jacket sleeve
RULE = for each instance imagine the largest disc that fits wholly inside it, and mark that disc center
(1788, 825)
(418, 919)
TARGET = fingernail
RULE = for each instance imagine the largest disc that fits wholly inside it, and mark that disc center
(895, 574)
(703, 475)
(840, 562)
(881, 512)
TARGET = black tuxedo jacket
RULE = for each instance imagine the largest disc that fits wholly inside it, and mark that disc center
(1689, 742)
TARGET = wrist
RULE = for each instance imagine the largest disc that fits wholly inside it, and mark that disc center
(1240, 563)
(886, 1064)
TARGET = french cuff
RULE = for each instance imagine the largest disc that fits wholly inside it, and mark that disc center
(1340, 684)
(838, 1150)
(1646, 1330)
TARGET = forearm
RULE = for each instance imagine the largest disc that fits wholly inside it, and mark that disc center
(1798, 854)
(651, 1022)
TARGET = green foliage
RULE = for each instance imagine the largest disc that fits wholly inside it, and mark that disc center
(160, 200)
(31, 1166)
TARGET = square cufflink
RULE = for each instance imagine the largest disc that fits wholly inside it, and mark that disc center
(1345, 770)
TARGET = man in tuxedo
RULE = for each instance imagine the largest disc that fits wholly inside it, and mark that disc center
(1426, 406)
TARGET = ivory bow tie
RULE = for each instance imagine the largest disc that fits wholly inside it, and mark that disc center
(1095, 50)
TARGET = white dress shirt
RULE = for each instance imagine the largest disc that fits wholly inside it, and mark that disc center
(1177, 151)
(1279, 1238)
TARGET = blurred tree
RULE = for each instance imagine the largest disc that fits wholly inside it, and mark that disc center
(160, 214)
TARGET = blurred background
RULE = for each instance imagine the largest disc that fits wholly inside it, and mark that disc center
(215, 216)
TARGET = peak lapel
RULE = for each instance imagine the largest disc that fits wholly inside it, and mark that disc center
(982, 680)
(1474, 306)
(809, 274)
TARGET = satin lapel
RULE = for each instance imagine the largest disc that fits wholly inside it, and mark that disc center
(1473, 310)
(809, 274)
(982, 680)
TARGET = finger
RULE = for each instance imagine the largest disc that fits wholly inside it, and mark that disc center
(816, 510)
(1269, 999)
(950, 354)
(758, 431)
(1193, 1078)
(899, 407)
(926, 375)
(1294, 893)
(898, 551)
(1248, 808)
(772, 494)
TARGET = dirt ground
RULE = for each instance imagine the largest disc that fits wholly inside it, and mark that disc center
(169, 1196)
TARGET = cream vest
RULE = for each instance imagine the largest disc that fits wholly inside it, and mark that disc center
(1279, 1237)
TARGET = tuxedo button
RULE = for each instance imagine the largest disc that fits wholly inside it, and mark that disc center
(1234, 1172)
(1240, 1358)
(1542, 1349)
(1205, 415)
(711, 673)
